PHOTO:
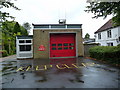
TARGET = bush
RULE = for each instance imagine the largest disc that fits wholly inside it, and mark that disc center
(108, 53)
(3, 53)
(118, 45)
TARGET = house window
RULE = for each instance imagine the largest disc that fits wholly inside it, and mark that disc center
(99, 35)
(25, 47)
(28, 41)
(110, 44)
(109, 35)
(24, 41)
(119, 38)
(21, 41)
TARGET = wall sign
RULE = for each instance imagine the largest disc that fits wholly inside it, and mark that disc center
(41, 48)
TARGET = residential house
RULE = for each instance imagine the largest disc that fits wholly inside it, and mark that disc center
(108, 34)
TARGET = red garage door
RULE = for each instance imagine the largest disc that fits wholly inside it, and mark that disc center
(62, 45)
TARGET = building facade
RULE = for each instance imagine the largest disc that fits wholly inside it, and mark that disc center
(57, 40)
(108, 35)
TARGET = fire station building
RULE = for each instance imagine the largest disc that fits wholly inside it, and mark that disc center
(51, 41)
(57, 40)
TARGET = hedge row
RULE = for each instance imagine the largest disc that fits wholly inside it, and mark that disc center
(107, 53)
(3, 53)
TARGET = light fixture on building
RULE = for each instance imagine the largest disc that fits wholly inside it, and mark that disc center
(62, 21)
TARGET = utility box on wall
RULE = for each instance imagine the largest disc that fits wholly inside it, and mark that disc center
(59, 40)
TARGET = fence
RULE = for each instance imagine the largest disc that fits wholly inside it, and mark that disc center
(87, 46)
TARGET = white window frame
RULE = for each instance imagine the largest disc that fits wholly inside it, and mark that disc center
(99, 35)
(109, 34)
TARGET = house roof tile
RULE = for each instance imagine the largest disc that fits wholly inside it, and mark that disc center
(106, 26)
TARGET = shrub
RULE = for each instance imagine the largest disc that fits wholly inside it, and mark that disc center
(108, 53)
(3, 53)
(118, 45)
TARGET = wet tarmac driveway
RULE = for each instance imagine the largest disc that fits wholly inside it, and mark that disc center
(58, 73)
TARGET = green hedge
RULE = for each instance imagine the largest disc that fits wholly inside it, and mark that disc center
(3, 53)
(107, 53)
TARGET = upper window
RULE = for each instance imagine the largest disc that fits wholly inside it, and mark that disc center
(53, 44)
(28, 41)
(59, 44)
(71, 44)
(99, 35)
(24, 41)
(21, 41)
(109, 35)
(65, 44)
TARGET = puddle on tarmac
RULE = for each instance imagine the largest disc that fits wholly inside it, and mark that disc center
(64, 71)
(105, 69)
(8, 73)
(8, 67)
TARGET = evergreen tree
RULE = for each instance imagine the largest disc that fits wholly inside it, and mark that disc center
(87, 36)
(16, 28)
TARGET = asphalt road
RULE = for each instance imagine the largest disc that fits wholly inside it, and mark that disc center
(58, 73)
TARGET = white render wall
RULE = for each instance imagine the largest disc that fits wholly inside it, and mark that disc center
(23, 54)
(104, 39)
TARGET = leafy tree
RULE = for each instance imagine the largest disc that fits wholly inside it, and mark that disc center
(10, 29)
(103, 9)
(8, 26)
(6, 4)
(87, 36)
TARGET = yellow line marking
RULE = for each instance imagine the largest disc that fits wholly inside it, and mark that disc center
(50, 65)
(21, 68)
(45, 67)
(37, 68)
(75, 66)
(60, 67)
(67, 66)
(28, 68)
(83, 64)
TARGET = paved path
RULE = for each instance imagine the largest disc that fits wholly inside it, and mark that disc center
(58, 73)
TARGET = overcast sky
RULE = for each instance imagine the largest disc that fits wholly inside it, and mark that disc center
(50, 11)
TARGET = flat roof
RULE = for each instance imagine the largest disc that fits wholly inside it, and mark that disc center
(57, 26)
(25, 37)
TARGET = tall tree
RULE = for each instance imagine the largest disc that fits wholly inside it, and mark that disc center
(16, 28)
(9, 31)
(87, 36)
(103, 9)
(6, 4)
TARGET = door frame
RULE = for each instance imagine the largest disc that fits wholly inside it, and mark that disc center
(75, 42)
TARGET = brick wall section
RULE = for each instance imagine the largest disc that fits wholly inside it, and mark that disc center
(41, 37)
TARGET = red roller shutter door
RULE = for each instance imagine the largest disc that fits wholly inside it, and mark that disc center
(62, 45)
